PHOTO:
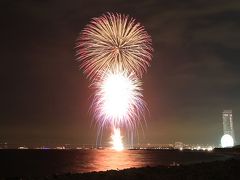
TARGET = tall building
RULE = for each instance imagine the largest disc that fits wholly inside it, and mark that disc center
(228, 123)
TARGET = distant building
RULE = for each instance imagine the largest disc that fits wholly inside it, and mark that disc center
(228, 123)
(4, 145)
(178, 145)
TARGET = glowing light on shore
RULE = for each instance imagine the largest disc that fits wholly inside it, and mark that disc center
(116, 140)
(210, 148)
(227, 141)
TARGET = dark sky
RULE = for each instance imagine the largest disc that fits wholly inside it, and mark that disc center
(195, 72)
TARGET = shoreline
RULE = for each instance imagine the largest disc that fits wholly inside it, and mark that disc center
(220, 169)
(228, 169)
(226, 159)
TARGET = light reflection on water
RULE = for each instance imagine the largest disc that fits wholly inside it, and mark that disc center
(48, 162)
(110, 159)
(101, 160)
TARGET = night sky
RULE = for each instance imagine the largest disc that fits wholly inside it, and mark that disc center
(194, 75)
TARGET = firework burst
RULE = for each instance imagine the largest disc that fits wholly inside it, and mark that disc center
(115, 51)
(114, 40)
(118, 100)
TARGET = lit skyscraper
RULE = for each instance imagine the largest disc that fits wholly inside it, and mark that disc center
(228, 123)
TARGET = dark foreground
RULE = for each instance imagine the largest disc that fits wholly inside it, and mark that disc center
(225, 170)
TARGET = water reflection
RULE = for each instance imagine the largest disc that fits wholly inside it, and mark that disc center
(102, 160)
(47, 162)
(110, 159)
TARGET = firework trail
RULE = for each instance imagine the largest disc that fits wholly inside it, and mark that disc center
(114, 51)
(116, 140)
(114, 40)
